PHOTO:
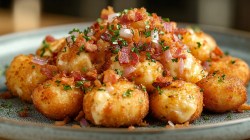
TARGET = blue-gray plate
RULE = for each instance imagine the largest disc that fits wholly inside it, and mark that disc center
(209, 126)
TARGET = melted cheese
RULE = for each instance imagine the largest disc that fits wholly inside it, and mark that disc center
(100, 102)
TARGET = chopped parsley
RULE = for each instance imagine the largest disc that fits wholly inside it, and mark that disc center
(226, 53)
(215, 72)
(229, 116)
(127, 93)
(79, 83)
(99, 20)
(123, 42)
(74, 30)
(164, 48)
(116, 58)
(147, 26)
(198, 44)
(143, 88)
(33, 66)
(161, 42)
(73, 38)
(148, 57)
(119, 72)
(101, 89)
(175, 78)
(201, 90)
(66, 87)
(166, 19)
(232, 61)
(116, 50)
(135, 50)
(147, 33)
(206, 118)
(175, 60)
(221, 78)
(180, 36)
(87, 38)
(188, 51)
(58, 82)
(86, 31)
(45, 46)
(159, 90)
(81, 49)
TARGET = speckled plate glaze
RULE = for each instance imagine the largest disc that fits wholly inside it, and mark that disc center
(209, 126)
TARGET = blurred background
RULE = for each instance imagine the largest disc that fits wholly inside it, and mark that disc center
(21, 15)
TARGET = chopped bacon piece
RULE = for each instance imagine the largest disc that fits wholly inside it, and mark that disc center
(77, 75)
(178, 54)
(134, 58)
(123, 55)
(6, 95)
(97, 83)
(138, 16)
(90, 47)
(67, 80)
(124, 19)
(110, 77)
(91, 75)
(159, 84)
(24, 112)
(218, 51)
(87, 84)
(106, 37)
(62, 123)
(49, 38)
(163, 81)
(106, 12)
(49, 71)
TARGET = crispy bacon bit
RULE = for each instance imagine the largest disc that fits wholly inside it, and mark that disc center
(49, 71)
(134, 58)
(106, 12)
(79, 116)
(206, 65)
(243, 108)
(106, 37)
(76, 126)
(6, 95)
(161, 85)
(124, 19)
(90, 47)
(163, 81)
(87, 84)
(24, 112)
(218, 51)
(97, 83)
(171, 125)
(91, 75)
(123, 55)
(77, 75)
(67, 80)
(110, 76)
(178, 54)
(131, 128)
(62, 123)
(49, 38)
(138, 16)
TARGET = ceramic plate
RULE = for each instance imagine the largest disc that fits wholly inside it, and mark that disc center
(208, 126)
